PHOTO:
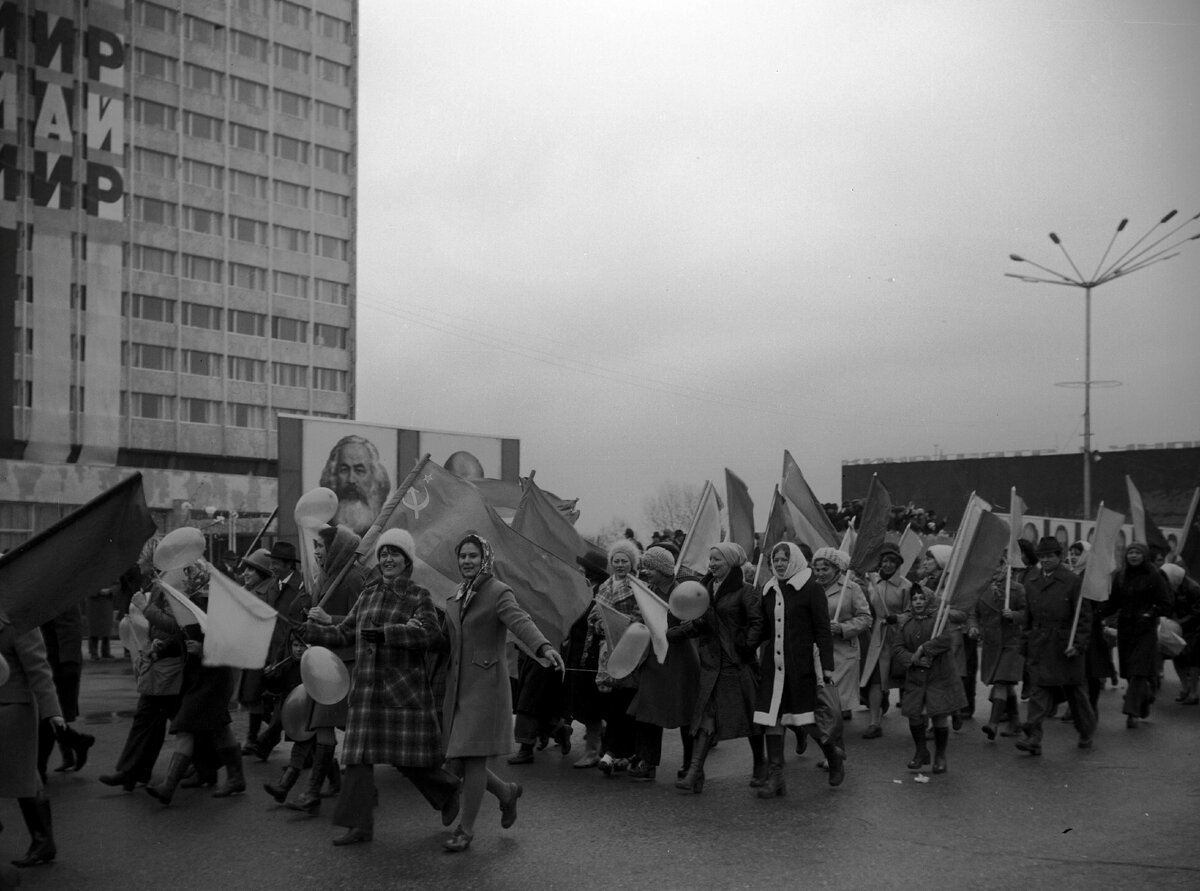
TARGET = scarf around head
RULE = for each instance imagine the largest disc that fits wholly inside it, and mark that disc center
(485, 566)
(797, 572)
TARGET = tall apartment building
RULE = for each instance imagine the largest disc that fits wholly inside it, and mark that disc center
(177, 219)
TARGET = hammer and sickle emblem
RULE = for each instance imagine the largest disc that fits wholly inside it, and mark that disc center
(417, 503)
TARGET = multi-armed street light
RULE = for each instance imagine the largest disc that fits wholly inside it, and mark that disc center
(1134, 259)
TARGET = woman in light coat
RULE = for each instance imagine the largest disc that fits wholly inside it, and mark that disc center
(849, 617)
(477, 715)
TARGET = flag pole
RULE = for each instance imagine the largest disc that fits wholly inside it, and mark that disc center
(1079, 603)
(837, 613)
(1007, 586)
(261, 532)
(385, 514)
(692, 527)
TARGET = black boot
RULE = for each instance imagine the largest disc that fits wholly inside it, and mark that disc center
(940, 737)
(998, 709)
(774, 786)
(309, 801)
(250, 747)
(36, 812)
(279, 791)
(200, 775)
(693, 781)
(122, 778)
(79, 744)
(758, 778)
(333, 780)
(921, 756)
(836, 759)
(235, 780)
(165, 790)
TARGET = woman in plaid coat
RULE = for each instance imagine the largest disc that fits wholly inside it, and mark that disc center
(392, 715)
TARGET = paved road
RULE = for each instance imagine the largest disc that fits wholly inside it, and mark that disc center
(1125, 814)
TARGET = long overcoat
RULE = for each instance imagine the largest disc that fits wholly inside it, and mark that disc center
(25, 698)
(795, 619)
(477, 715)
(854, 620)
(392, 714)
(1050, 603)
(338, 604)
(885, 597)
(1139, 596)
(938, 689)
(666, 692)
(1000, 661)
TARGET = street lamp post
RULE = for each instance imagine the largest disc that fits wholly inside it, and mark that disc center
(1135, 258)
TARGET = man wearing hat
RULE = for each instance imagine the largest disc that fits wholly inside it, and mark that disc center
(888, 593)
(1055, 657)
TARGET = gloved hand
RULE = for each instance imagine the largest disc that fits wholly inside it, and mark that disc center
(372, 635)
(890, 619)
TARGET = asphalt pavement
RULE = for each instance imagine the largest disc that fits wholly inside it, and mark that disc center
(1125, 814)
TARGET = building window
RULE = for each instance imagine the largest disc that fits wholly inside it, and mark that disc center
(285, 374)
(75, 398)
(283, 328)
(291, 194)
(247, 185)
(157, 66)
(291, 59)
(200, 315)
(23, 394)
(79, 347)
(334, 248)
(78, 298)
(152, 259)
(151, 15)
(254, 7)
(333, 292)
(151, 210)
(203, 31)
(292, 104)
(333, 28)
(331, 379)
(154, 114)
(154, 163)
(145, 306)
(243, 275)
(250, 323)
(250, 92)
(288, 149)
(332, 159)
(199, 411)
(243, 415)
(201, 173)
(154, 406)
(334, 116)
(205, 80)
(22, 340)
(250, 138)
(201, 363)
(329, 336)
(292, 14)
(243, 369)
(197, 219)
(249, 46)
(202, 126)
(202, 269)
(333, 203)
(290, 285)
(333, 72)
(289, 239)
(150, 356)
(247, 230)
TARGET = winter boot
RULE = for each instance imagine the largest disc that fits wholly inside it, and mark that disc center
(250, 747)
(523, 755)
(836, 759)
(36, 812)
(591, 749)
(309, 801)
(921, 756)
(165, 790)
(693, 781)
(333, 780)
(758, 778)
(279, 791)
(773, 786)
(1014, 718)
(940, 737)
(235, 780)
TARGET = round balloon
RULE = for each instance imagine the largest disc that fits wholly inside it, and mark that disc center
(315, 508)
(688, 601)
(294, 715)
(325, 676)
(179, 548)
(629, 651)
(3, 671)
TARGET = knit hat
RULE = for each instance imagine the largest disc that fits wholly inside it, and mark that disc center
(1138, 546)
(890, 550)
(626, 547)
(397, 538)
(840, 559)
(940, 554)
(659, 560)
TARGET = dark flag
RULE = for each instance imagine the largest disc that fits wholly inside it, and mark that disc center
(741, 512)
(872, 528)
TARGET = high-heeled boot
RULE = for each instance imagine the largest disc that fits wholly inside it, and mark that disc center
(165, 790)
(309, 801)
(941, 736)
(693, 781)
(836, 759)
(758, 777)
(333, 780)
(921, 756)
(773, 786)
(279, 791)
(36, 812)
(999, 707)
(235, 780)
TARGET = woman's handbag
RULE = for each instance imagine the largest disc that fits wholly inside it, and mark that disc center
(159, 677)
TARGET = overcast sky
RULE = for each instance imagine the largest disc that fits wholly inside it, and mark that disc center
(654, 240)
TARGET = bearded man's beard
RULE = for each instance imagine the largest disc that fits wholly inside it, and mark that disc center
(354, 508)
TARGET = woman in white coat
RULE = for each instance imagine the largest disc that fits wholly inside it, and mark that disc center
(849, 617)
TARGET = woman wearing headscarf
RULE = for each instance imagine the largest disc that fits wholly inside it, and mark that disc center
(996, 622)
(27, 697)
(795, 619)
(391, 712)
(887, 594)
(477, 715)
(1139, 596)
(1077, 557)
(616, 594)
(932, 684)
(727, 635)
(849, 617)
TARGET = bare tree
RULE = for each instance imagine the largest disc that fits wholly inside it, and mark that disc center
(672, 506)
(610, 532)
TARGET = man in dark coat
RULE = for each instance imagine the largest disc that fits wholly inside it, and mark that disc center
(1054, 656)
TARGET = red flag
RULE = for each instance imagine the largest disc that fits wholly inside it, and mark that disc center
(1189, 544)
(779, 528)
(86, 550)
(812, 523)
(1016, 518)
(979, 562)
(539, 520)
(741, 512)
(1145, 529)
(704, 532)
(872, 528)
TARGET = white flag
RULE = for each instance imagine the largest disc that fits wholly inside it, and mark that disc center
(654, 617)
(240, 625)
(1102, 561)
(184, 611)
(705, 532)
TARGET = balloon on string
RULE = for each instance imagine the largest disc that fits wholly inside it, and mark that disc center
(179, 548)
(325, 676)
(293, 714)
(688, 601)
(315, 508)
(629, 651)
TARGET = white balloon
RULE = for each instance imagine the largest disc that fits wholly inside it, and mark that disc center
(689, 601)
(315, 508)
(325, 676)
(293, 714)
(179, 548)
(630, 650)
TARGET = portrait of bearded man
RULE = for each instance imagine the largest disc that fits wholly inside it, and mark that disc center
(359, 480)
